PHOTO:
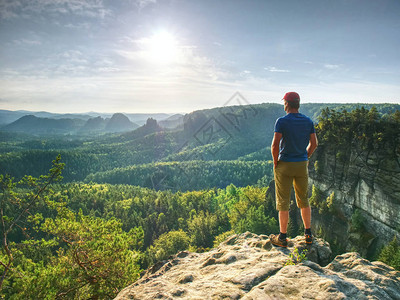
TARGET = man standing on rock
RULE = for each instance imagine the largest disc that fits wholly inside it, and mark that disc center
(293, 143)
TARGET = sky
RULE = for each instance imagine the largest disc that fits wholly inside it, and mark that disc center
(147, 56)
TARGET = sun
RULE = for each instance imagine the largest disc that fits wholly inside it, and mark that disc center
(163, 48)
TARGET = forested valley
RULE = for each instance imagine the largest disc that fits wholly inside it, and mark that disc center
(83, 215)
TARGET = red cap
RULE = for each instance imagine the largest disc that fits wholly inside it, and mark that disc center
(291, 96)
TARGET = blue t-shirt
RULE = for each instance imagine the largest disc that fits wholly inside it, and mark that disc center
(296, 129)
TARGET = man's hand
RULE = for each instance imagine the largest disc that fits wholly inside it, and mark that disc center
(312, 145)
(275, 147)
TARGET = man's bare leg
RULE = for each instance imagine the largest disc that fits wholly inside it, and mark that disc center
(306, 216)
(283, 221)
(280, 239)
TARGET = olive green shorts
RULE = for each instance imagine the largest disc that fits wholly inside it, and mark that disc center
(287, 174)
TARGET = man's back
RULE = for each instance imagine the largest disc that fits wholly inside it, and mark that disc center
(295, 129)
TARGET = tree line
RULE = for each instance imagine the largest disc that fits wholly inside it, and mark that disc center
(188, 175)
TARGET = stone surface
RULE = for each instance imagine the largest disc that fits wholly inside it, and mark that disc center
(347, 277)
(247, 266)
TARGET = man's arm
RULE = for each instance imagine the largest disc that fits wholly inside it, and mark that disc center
(312, 145)
(275, 147)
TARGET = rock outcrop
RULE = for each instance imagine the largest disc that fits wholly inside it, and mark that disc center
(248, 266)
(367, 181)
(119, 123)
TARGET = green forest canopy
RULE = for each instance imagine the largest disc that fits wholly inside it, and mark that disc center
(81, 240)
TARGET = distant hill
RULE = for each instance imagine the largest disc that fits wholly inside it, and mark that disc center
(142, 118)
(139, 119)
(45, 114)
(174, 121)
(94, 125)
(9, 116)
(34, 125)
(120, 123)
(31, 124)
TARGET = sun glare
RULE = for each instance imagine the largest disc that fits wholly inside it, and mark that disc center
(163, 48)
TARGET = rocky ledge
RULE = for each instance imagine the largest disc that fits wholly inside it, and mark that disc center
(248, 266)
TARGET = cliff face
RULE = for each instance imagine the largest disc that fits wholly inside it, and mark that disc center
(247, 266)
(367, 181)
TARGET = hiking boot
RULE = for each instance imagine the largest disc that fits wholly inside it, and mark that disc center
(309, 238)
(275, 240)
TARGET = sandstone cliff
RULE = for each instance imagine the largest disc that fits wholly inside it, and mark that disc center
(368, 181)
(247, 266)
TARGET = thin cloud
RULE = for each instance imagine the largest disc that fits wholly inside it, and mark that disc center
(27, 42)
(84, 26)
(245, 73)
(273, 69)
(89, 8)
(9, 9)
(134, 92)
(143, 3)
(331, 67)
